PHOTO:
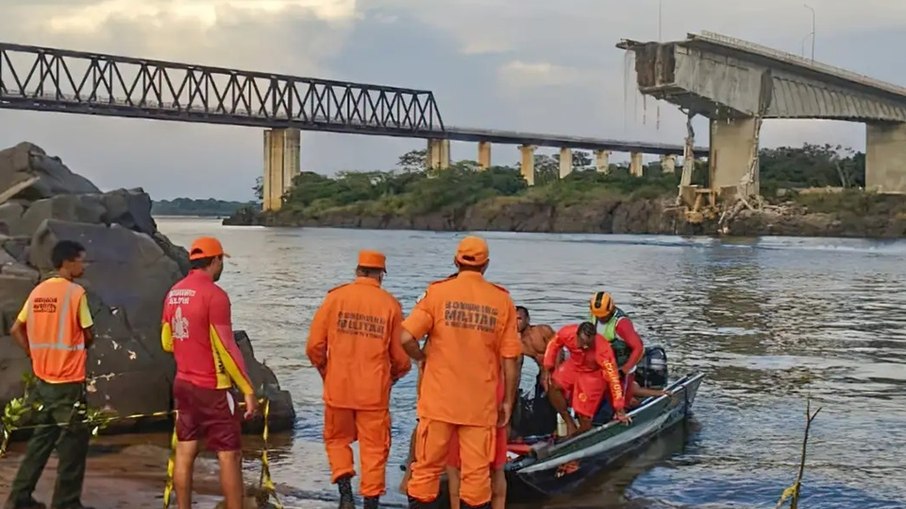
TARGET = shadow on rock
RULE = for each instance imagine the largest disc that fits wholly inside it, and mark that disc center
(131, 266)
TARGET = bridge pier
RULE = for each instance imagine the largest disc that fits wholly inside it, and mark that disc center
(602, 161)
(527, 163)
(733, 144)
(281, 165)
(484, 154)
(885, 157)
(438, 153)
(668, 163)
(636, 168)
(566, 162)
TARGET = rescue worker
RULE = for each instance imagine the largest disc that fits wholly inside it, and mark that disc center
(354, 343)
(535, 339)
(583, 376)
(197, 328)
(54, 328)
(471, 328)
(616, 327)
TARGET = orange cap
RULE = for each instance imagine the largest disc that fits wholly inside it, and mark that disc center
(472, 251)
(372, 260)
(206, 247)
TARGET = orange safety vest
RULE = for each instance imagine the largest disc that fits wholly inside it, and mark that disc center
(55, 337)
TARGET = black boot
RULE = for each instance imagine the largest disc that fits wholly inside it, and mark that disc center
(464, 505)
(372, 502)
(344, 485)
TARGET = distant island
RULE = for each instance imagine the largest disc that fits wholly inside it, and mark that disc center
(209, 207)
(811, 190)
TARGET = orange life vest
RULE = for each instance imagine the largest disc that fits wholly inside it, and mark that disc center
(55, 337)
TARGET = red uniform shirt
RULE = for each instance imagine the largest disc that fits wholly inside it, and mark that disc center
(598, 358)
(197, 328)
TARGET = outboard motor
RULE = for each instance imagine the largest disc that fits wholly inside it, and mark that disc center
(652, 372)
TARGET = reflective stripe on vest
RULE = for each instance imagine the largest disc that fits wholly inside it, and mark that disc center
(59, 342)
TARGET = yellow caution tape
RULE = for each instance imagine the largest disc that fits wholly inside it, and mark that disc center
(265, 482)
(171, 466)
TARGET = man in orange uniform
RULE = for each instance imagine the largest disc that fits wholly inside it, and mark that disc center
(471, 328)
(197, 329)
(354, 343)
(54, 329)
(584, 375)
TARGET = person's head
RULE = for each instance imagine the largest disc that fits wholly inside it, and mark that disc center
(601, 306)
(372, 264)
(207, 254)
(522, 318)
(68, 258)
(585, 336)
(472, 254)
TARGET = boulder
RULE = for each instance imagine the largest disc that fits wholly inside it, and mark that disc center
(25, 160)
(131, 266)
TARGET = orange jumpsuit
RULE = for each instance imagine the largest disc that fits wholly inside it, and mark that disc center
(471, 327)
(354, 343)
(586, 373)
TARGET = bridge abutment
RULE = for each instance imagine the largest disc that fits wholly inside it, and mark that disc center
(438, 153)
(733, 144)
(281, 165)
(885, 157)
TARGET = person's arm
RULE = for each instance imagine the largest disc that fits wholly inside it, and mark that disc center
(19, 331)
(552, 353)
(626, 331)
(400, 364)
(541, 340)
(510, 351)
(316, 346)
(223, 340)
(419, 323)
(86, 321)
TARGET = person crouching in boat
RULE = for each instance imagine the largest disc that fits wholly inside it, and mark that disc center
(616, 327)
(498, 477)
(583, 377)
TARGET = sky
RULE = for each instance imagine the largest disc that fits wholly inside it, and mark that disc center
(528, 65)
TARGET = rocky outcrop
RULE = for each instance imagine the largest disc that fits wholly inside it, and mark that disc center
(131, 267)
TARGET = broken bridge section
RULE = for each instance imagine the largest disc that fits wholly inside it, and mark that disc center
(737, 84)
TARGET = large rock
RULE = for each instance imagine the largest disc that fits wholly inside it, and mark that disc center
(25, 160)
(131, 266)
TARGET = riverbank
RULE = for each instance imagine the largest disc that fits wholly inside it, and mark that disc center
(850, 213)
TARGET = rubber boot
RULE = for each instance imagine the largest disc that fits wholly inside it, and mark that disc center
(344, 485)
(372, 502)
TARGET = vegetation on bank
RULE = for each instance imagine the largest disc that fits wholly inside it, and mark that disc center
(197, 207)
(412, 189)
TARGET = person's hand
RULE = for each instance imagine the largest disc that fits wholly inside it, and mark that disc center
(251, 406)
(622, 417)
(504, 413)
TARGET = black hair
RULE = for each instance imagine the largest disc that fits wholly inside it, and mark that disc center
(65, 251)
(523, 309)
(368, 271)
(203, 263)
(587, 329)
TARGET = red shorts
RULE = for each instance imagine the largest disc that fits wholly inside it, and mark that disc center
(584, 389)
(211, 414)
(500, 448)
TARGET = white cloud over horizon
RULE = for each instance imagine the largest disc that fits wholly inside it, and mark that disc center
(538, 66)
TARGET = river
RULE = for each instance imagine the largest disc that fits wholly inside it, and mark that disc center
(769, 321)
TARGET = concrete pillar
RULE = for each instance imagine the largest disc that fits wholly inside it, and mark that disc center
(602, 161)
(438, 153)
(527, 163)
(281, 165)
(566, 162)
(733, 143)
(668, 163)
(885, 158)
(636, 167)
(484, 154)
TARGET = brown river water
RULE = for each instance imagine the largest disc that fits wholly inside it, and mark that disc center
(769, 321)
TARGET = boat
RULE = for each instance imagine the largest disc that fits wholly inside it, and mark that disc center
(547, 469)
